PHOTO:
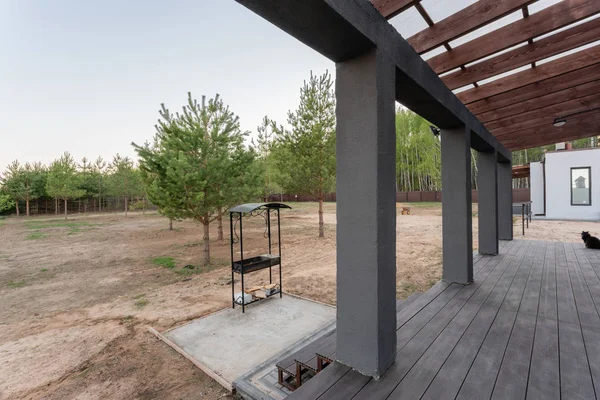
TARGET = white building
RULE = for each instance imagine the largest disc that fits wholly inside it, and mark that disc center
(562, 187)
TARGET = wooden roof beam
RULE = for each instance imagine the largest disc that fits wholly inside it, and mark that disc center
(557, 16)
(573, 38)
(577, 92)
(515, 98)
(391, 8)
(464, 21)
(542, 116)
(557, 67)
(576, 128)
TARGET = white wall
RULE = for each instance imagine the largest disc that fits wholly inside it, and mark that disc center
(536, 181)
(558, 184)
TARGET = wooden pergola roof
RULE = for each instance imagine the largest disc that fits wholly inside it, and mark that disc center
(515, 64)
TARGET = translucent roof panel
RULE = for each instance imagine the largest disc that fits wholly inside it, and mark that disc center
(463, 89)
(508, 73)
(541, 5)
(566, 53)
(408, 23)
(564, 28)
(442, 9)
(433, 53)
(502, 22)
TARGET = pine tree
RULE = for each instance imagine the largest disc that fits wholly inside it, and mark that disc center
(306, 152)
(63, 180)
(197, 165)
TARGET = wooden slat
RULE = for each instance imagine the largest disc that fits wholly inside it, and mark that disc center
(586, 309)
(544, 379)
(408, 355)
(547, 306)
(346, 387)
(575, 377)
(557, 67)
(391, 8)
(542, 116)
(569, 39)
(554, 17)
(516, 97)
(579, 128)
(320, 383)
(573, 93)
(462, 22)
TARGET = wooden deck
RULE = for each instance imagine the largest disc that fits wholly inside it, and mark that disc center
(527, 328)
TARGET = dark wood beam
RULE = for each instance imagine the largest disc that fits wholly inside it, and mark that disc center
(557, 67)
(464, 21)
(515, 97)
(542, 116)
(563, 41)
(557, 16)
(562, 96)
(583, 127)
(391, 8)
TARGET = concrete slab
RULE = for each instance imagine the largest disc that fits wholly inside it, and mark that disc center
(228, 344)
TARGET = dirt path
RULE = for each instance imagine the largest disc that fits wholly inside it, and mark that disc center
(77, 298)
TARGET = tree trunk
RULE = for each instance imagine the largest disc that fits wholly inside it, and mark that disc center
(56, 206)
(126, 205)
(321, 231)
(27, 207)
(170, 224)
(65, 209)
(220, 225)
(144, 206)
(45, 206)
(17, 206)
(206, 239)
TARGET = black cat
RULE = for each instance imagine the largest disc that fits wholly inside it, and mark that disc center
(591, 242)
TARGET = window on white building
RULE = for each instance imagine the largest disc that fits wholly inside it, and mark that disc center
(581, 184)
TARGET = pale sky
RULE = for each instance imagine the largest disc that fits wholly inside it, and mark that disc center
(88, 76)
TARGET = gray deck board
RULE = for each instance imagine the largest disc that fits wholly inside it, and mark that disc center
(528, 327)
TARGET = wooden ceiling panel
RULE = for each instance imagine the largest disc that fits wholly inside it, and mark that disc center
(569, 39)
(562, 96)
(464, 21)
(557, 67)
(391, 8)
(582, 126)
(542, 116)
(557, 16)
(536, 90)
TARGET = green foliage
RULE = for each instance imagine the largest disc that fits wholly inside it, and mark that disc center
(167, 262)
(125, 181)
(305, 154)
(141, 303)
(198, 165)
(63, 180)
(418, 154)
(6, 202)
(264, 145)
(16, 285)
(53, 223)
(36, 235)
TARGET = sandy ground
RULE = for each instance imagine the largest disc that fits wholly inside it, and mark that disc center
(77, 299)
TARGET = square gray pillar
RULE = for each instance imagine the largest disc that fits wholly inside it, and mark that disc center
(366, 213)
(487, 193)
(505, 201)
(457, 230)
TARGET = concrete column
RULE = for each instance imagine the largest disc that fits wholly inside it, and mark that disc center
(366, 213)
(505, 200)
(456, 206)
(487, 191)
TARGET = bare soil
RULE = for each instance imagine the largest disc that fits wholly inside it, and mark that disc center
(77, 299)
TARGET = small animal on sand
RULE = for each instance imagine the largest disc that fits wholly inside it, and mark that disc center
(591, 242)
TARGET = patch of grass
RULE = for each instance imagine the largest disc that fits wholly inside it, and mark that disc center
(74, 230)
(36, 235)
(16, 285)
(167, 262)
(44, 269)
(127, 319)
(4, 257)
(139, 296)
(141, 303)
(423, 204)
(57, 223)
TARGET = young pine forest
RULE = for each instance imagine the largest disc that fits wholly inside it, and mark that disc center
(200, 162)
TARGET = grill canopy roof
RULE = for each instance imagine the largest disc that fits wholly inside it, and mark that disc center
(249, 207)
